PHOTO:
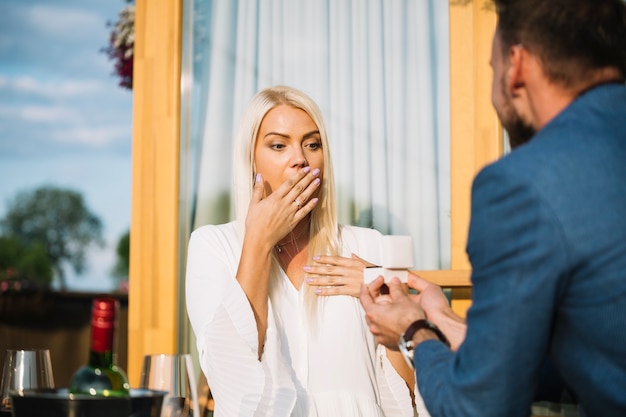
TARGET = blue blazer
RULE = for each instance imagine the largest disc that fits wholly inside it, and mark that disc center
(547, 244)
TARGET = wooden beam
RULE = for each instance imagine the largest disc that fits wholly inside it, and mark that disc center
(447, 278)
(153, 291)
(475, 133)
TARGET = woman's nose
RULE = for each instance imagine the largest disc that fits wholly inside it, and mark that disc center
(299, 159)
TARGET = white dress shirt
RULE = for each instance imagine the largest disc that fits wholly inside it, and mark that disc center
(336, 370)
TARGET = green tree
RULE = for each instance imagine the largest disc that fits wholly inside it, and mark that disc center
(21, 262)
(120, 271)
(59, 220)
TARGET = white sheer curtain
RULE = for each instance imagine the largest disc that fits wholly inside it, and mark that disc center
(379, 69)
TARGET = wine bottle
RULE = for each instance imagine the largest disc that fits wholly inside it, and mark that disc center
(100, 376)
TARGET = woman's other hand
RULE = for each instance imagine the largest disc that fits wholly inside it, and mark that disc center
(336, 275)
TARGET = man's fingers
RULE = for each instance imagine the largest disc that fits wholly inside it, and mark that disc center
(366, 298)
(416, 282)
(375, 286)
(383, 299)
(373, 290)
(395, 288)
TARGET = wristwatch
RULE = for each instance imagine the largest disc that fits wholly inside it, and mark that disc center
(406, 345)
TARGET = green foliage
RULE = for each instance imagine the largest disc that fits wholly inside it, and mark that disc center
(123, 257)
(57, 219)
(20, 262)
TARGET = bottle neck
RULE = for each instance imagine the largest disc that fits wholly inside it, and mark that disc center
(101, 359)
(102, 333)
(102, 336)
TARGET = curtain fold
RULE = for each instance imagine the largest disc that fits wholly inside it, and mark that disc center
(379, 71)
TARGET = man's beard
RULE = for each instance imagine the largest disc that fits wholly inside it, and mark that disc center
(518, 130)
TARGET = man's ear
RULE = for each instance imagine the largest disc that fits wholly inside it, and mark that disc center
(515, 73)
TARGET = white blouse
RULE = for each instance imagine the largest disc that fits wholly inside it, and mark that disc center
(335, 371)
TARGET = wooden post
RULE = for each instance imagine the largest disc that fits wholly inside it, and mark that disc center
(475, 132)
(153, 291)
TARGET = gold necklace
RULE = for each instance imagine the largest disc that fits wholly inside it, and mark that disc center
(294, 239)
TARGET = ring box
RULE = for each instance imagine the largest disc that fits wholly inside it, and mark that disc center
(396, 257)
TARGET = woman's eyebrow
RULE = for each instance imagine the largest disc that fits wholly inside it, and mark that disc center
(276, 134)
(284, 135)
(311, 133)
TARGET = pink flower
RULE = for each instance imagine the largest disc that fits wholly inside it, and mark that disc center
(121, 45)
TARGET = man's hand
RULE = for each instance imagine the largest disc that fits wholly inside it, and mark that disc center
(430, 296)
(389, 315)
(435, 304)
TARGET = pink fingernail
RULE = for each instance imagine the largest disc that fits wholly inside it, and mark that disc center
(307, 169)
(316, 172)
(307, 267)
(257, 178)
(316, 258)
(316, 181)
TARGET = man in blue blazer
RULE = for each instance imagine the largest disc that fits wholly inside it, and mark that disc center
(547, 238)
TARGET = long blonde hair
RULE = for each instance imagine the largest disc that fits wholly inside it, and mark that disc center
(323, 229)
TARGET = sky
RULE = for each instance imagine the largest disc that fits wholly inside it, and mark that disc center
(64, 121)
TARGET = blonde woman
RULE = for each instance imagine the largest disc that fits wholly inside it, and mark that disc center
(273, 296)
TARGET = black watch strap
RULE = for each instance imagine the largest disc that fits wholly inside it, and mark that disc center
(423, 324)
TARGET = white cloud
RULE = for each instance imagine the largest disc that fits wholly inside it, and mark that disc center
(93, 136)
(55, 90)
(25, 84)
(50, 114)
(68, 125)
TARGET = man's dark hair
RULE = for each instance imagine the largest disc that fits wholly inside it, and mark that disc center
(572, 38)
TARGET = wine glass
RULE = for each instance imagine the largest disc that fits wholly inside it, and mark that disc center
(173, 374)
(24, 369)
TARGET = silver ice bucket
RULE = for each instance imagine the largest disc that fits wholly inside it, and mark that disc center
(60, 403)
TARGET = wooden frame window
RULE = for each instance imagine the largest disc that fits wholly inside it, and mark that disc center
(155, 285)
